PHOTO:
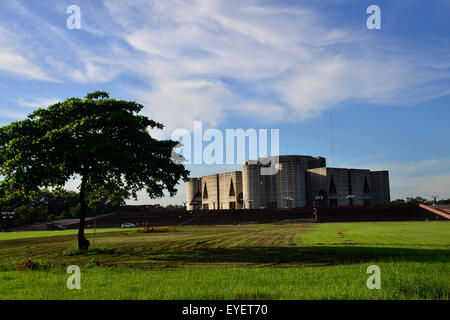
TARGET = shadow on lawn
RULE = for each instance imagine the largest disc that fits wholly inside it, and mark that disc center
(303, 255)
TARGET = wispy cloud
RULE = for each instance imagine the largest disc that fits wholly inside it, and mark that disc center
(36, 102)
(13, 60)
(12, 114)
(207, 60)
(250, 54)
(214, 60)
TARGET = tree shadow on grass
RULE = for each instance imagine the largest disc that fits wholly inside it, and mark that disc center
(303, 255)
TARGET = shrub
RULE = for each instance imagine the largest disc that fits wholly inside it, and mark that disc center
(93, 263)
(154, 229)
(28, 264)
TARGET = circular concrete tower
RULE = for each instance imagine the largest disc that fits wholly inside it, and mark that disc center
(251, 187)
(193, 194)
(291, 184)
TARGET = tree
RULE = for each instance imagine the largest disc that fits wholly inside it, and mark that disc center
(410, 200)
(103, 141)
(418, 200)
(105, 200)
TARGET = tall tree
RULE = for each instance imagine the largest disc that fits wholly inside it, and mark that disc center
(103, 141)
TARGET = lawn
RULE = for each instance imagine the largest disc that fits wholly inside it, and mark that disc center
(40, 234)
(298, 261)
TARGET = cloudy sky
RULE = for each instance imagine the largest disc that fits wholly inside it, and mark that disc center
(377, 99)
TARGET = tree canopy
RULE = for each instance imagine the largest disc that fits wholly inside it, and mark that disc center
(104, 141)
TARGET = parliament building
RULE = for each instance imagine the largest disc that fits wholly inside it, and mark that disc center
(297, 181)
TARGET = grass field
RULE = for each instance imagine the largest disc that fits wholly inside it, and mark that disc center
(299, 261)
(40, 234)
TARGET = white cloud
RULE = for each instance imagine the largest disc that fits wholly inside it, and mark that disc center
(284, 61)
(36, 102)
(13, 61)
(59, 55)
(210, 60)
(206, 60)
(178, 103)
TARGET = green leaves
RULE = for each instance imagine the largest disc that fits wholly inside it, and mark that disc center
(104, 139)
(97, 94)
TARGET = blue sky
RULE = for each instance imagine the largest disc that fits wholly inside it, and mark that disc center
(308, 68)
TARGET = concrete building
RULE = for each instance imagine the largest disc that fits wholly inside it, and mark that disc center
(215, 191)
(299, 181)
(335, 184)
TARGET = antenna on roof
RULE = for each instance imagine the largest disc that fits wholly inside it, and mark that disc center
(332, 137)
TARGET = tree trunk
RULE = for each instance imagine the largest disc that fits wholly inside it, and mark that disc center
(83, 243)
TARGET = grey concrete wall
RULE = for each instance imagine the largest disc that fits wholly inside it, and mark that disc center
(380, 187)
(316, 180)
(348, 181)
(227, 200)
(358, 177)
(210, 199)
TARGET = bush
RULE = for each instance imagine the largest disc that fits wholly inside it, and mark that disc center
(154, 229)
(93, 263)
(28, 264)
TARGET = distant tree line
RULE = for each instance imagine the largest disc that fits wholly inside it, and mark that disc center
(419, 200)
(168, 207)
(47, 205)
(153, 207)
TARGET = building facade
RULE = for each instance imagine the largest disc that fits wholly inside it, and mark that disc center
(298, 181)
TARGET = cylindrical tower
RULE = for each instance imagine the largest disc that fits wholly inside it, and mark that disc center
(251, 187)
(291, 185)
(193, 194)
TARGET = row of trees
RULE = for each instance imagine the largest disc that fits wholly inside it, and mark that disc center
(169, 207)
(47, 205)
(419, 200)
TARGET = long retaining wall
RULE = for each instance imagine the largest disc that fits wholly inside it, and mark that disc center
(245, 216)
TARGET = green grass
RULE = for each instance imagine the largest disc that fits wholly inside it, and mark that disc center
(73, 251)
(54, 233)
(400, 234)
(399, 281)
(302, 261)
